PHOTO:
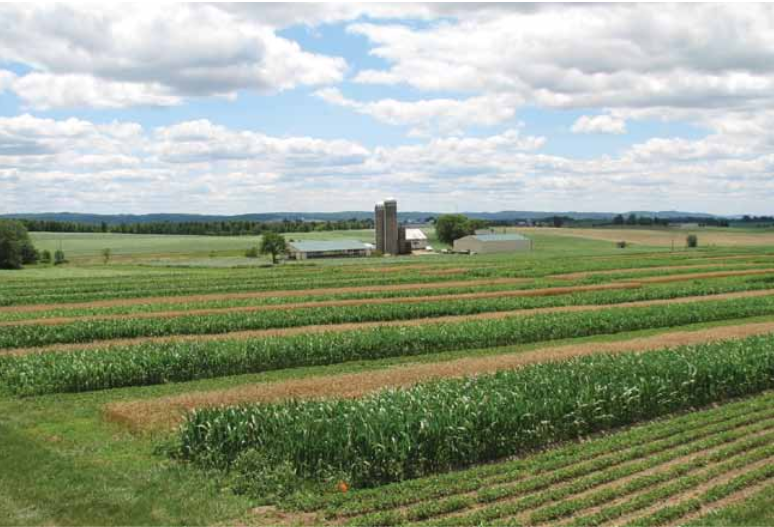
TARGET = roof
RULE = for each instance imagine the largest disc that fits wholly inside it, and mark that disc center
(415, 234)
(313, 246)
(500, 237)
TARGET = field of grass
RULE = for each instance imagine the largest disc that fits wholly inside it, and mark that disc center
(579, 384)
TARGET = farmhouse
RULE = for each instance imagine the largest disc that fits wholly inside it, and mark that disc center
(416, 238)
(492, 243)
(303, 250)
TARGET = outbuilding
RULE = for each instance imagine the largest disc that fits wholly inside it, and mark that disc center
(305, 249)
(492, 243)
(417, 238)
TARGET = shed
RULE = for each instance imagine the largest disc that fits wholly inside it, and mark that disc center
(492, 243)
(417, 238)
(305, 249)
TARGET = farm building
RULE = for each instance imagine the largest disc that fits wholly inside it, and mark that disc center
(303, 250)
(416, 238)
(492, 243)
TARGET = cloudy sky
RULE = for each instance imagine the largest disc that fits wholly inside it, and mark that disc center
(321, 107)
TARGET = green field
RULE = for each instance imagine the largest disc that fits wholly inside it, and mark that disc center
(181, 383)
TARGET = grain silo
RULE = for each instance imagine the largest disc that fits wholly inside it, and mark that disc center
(391, 242)
(379, 226)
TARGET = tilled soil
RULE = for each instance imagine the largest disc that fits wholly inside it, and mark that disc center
(328, 303)
(169, 411)
(324, 328)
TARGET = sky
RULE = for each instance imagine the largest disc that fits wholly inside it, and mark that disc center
(246, 108)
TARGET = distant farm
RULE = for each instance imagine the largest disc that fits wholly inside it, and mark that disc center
(175, 380)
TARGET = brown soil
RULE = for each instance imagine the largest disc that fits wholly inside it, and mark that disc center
(692, 493)
(607, 272)
(168, 411)
(328, 303)
(699, 276)
(260, 294)
(728, 501)
(325, 328)
(446, 272)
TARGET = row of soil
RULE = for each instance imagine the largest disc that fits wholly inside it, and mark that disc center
(169, 411)
(331, 328)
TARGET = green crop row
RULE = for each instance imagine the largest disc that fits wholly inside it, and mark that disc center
(439, 426)
(158, 363)
(559, 485)
(30, 335)
(553, 466)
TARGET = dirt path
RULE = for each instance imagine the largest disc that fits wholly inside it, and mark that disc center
(324, 328)
(28, 308)
(328, 303)
(168, 411)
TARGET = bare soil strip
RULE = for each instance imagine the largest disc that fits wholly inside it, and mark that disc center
(53, 321)
(692, 493)
(261, 294)
(331, 328)
(699, 276)
(728, 501)
(607, 272)
(168, 411)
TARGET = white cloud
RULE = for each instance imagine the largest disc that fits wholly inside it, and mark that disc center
(599, 124)
(151, 55)
(611, 55)
(444, 116)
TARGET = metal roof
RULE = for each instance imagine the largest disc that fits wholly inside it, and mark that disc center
(315, 246)
(415, 234)
(500, 237)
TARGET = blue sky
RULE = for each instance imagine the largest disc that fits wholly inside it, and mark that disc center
(320, 107)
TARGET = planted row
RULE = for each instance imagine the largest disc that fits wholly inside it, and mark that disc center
(158, 363)
(30, 335)
(443, 425)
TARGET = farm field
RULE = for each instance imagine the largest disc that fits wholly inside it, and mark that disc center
(579, 384)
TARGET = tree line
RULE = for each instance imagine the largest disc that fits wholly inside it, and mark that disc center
(209, 228)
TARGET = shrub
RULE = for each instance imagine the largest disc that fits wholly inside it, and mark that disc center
(692, 241)
(59, 257)
(621, 245)
(45, 256)
(252, 252)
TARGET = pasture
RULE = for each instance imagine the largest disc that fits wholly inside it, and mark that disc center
(579, 384)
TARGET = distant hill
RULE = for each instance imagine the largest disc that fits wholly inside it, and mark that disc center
(117, 219)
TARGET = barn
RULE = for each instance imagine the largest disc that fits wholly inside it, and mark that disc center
(303, 250)
(492, 243)
(417, 238)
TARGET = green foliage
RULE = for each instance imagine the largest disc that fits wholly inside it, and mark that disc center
(45, 256)
(273, 244)
(59, 257)
(449, 227)
(692, 241)
(439, 426)
(157, 363)
(28, 335)
(105, 255)
(16, 249)
(252, 252)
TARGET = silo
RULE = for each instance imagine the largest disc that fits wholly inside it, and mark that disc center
(391, 243)
(379, 226)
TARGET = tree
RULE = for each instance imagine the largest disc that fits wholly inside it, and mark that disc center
(692, 241)
(632, 219)
(59, 257)
(450, 227)
(252, 252)
(273, 244)
(618, 220)
(45, 256)
(105, 255)
(16, 248)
